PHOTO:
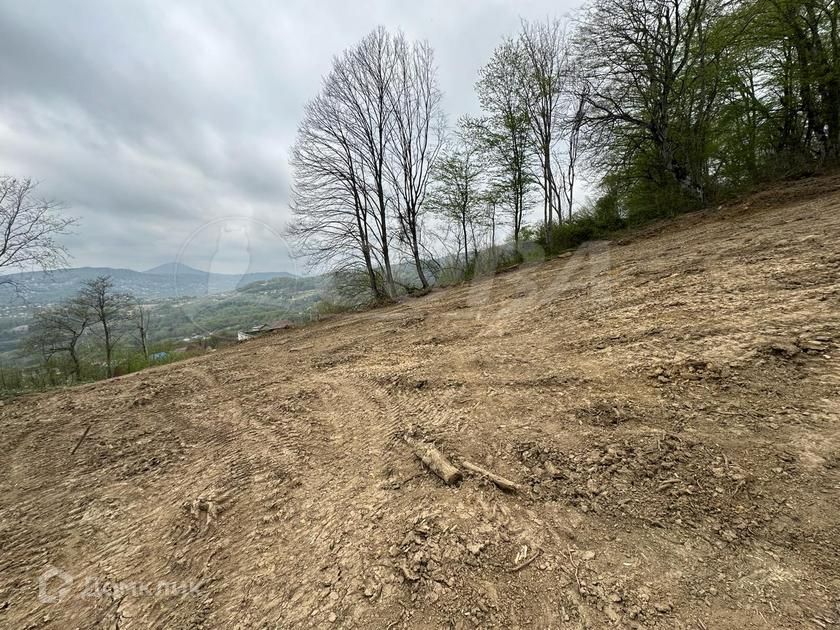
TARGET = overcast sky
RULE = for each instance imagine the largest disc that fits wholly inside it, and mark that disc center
(165, 126)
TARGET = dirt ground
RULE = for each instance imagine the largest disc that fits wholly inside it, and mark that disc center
(667, 401)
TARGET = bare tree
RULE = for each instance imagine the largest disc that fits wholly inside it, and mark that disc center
(361, 82)
(339, 161)
(334, 224)
(108, 310)
(545, 73)
(58, 330)
(363, 158)
(142, 320)
(416, 139)
(28, 229)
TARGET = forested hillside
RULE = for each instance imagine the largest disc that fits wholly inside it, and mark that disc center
(657, 106)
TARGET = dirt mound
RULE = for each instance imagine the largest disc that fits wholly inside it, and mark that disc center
(666, 405)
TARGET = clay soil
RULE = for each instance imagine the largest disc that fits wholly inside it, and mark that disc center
(668, 403)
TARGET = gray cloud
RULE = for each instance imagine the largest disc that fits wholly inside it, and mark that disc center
(151, 119)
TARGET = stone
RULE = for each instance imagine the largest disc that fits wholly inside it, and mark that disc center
(783, 348)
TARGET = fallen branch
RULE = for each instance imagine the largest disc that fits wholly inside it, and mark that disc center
(503, 483)
(525, 562)
(81, 439)
(667, 483)
(436, 462)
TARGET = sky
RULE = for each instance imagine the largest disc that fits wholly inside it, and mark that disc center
(165, 127)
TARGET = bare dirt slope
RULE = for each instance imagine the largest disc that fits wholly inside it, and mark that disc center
(668, 402)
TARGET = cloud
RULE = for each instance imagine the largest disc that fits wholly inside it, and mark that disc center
(151, 119)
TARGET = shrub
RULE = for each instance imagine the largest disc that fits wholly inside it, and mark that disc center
(589, 224)
(326, 307)
(647, 201)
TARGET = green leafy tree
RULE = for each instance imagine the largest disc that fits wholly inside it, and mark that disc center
(503, 132)
(457, 194)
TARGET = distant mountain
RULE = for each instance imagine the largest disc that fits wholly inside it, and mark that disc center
(178, 270)
(173, 268)
(170, 280)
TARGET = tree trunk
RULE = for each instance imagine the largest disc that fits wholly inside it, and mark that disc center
(374, 287)
(493, 231)
(419, 267)
(108, 371)
(386, 259)
(436, 462)
(415, 251)
(143, 335)
(466, 244)
(502, 482)
(832, 117)
(77, 371)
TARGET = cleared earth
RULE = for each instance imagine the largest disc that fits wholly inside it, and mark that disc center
(668, 402)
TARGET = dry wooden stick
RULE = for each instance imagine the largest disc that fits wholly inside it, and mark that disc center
(502, 482)
(526, 561)
(81, 439)
(436, 462)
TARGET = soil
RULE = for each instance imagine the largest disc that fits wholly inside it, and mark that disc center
(668, 404)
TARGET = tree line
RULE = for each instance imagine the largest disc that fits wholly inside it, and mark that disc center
(662, 106)
(92, 325)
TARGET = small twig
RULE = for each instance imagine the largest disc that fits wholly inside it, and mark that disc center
(81, 439)
(668, 482)
(576, 566)
(501, 482)
(525, 562)
(411, 478)
(299, 348)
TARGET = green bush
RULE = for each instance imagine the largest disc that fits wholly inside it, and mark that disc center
(327, 307)
(508, 258)
(593, 223)
(647, 201)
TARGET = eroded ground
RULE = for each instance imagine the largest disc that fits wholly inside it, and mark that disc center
(669, 403)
